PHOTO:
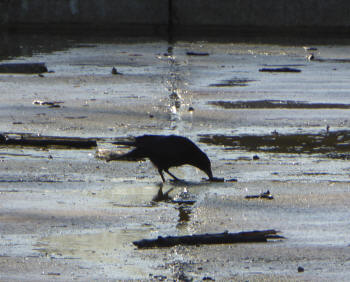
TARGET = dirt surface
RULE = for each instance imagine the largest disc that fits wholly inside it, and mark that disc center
(66, 215)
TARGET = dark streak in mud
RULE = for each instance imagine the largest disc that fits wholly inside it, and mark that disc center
(332, 60)
(332, 142)
(79, 117)
(232, 83)
(276, 104)
(284, 65)
(284, 69)
(193, 53)
(29, 180)
(339, 156)
(24, 68)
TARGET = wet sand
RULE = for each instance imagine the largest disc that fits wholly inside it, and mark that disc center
(66, 215)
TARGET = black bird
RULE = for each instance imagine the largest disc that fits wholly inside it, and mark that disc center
(166, 152)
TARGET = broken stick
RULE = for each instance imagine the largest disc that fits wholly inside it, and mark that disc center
(25, 68)
(217, 238)
(27, 139)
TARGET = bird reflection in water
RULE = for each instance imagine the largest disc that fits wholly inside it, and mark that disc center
(184, 203)
(161, 196)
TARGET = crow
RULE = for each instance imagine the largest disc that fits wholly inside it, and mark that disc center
(166, 151)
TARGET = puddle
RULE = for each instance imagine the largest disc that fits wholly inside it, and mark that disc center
(110, 247)
(332, 60)
(32, 43)
(276, 104)
(184, 216)
(149, 196)
(130, 194)
(232, 83)
(331, 142)
(162, 196)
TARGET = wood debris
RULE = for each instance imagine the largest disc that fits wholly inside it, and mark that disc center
(217, 238)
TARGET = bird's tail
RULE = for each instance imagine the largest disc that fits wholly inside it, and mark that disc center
(125, 143)
(134, 155)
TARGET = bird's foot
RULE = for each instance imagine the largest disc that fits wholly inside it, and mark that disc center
(216, 179)
(176, 180)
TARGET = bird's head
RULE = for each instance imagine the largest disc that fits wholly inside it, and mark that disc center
(203, 163)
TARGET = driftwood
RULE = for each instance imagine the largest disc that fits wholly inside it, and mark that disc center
(45, 141)
(284, 69)
(26, 68)
(217, 238)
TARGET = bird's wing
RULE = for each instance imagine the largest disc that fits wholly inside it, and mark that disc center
(133, 155)
(167, 152)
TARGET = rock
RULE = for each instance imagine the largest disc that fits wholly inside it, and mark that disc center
(310, 57)
(115, 72)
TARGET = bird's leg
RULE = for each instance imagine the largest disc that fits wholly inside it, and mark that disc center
(161, 174)
(172, 175)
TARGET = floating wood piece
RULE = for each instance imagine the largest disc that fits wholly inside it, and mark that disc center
(284, 69)
(45, 141)
(264, 195)
(218, 238)
(25, 68)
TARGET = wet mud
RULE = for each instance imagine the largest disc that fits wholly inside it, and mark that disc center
(30, 68)
(284, 69)
(67, 215)
(325, 142)
(232, 83)
(276, 104)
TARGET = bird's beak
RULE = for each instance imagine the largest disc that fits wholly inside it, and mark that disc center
(214, 179)
(210, 175)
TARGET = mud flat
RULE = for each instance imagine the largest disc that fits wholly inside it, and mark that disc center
(66, 215)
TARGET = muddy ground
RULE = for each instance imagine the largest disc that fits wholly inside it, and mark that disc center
(66, 215)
